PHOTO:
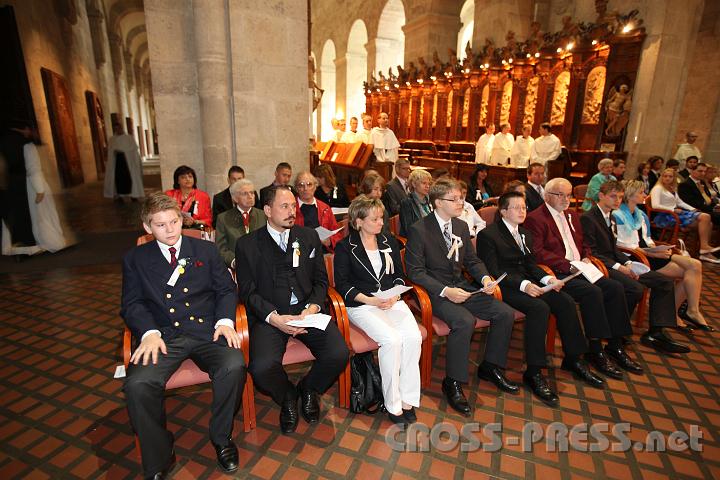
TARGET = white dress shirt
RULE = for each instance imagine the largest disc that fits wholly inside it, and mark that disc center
(663, 199)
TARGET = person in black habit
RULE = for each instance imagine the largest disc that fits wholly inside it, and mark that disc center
(437, 250)
(506, 247)
(600, 230)
(281, 277)
(14, 208)
(179, 301)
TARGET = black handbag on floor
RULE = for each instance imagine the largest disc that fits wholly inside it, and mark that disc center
(366, 387)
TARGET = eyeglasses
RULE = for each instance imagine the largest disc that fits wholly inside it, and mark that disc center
(521, 208)
(453, 200)
(564, 196)
(305, 185)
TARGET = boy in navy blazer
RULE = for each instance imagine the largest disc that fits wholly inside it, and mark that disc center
(179, 301)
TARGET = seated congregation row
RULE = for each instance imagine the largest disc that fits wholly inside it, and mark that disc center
(281, 277)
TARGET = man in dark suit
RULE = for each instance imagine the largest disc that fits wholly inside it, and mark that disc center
(281, 277)
(505, 246)
(534, 191)
(656, 167)
(558, 240)
(222, 202)
(695, 192)
(179, 301)
(600, 229)
(690, 163)
(437, 251)
(397, 189)
(283, 174)
(239, 221)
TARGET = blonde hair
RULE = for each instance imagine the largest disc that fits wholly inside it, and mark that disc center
(673, 184)
(361, 207)
(157, 202)
(418, 175)
(631, 188)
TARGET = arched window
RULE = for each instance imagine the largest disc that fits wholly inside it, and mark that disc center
(356, 61)
(390, 41)
(327, 83)
(465, 35)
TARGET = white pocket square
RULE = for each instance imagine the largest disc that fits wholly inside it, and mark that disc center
(312, 254)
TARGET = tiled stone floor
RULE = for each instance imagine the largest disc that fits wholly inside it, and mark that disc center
(62, 415)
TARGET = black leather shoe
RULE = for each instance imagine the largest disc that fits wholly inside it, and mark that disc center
(539, 386)
(410, 415)
(309, 405)
(289, 412)
(165, 472)
(455, 397)
(623, 360)
(398, 419)
(496, 376)
(695, 322)
(227, 457)
(581, 371)
(601, 361)
(663, 342)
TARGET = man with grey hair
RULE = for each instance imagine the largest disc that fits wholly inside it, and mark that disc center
(557, 241)
(688, 149)
(398, 188)
(239, 221)
(314, 213)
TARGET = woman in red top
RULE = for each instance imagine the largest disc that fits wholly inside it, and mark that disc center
(194, 203)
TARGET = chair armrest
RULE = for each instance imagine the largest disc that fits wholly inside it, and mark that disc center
(600, 266)
(547, 269)
(241, 326)
(127, 345)
(336, 304)
(423, 301)
(637, 254)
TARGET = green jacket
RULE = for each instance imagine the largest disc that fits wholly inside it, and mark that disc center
(230, 227)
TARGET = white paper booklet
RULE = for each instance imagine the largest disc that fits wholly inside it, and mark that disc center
(639, 268)
(316, 320)
(324, 233)
(393, 292)
(589, 271)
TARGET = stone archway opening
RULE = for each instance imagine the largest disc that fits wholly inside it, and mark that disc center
(390, 41)
(327, 83)
(465, 35)
(356, 61)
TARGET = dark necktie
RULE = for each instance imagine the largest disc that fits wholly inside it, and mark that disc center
(246, 221)
(173, 258)
(446, 235)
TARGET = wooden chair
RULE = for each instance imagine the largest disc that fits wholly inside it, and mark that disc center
(579, 193)
(190, 374)
(638, 255)
(488, 214)
(344, 225)
(360, 342)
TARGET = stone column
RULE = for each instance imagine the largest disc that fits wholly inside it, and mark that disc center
(170, 31)
(424, 34)
(214, 91)
(494, 18)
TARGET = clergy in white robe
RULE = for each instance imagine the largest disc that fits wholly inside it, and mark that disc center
(520, 151)
(484, 145)
(122, 149)
(688, 149)
(502, 144)
(385, 144)
(546, 146)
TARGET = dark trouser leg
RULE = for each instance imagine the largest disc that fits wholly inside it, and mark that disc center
(633, 289)
(331, 355)
(602, 306)
(226, 367)
(662, 299)
(562, 306)
(536, 319)
(267, 347)
(145, 395)
(501, 317)
(462, 325)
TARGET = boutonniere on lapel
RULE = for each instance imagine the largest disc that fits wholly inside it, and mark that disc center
(389, 266)
(182, 265)
(296, 254)
(455, 247)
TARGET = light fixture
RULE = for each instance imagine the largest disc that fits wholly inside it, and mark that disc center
(528, 55)
(396, 85)
(487, 65)
(504, 62)
(569, 46)
(594, 42)
(420, 81)
(627, 28)
(537, 54)
(559, 49)
(433, 78)
(510, 61)
(387, 87)
(407, 83)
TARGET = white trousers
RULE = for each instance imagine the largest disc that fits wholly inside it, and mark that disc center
(397, 333)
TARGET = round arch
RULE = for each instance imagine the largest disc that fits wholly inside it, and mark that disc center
(465, 35)
(327, 83)
(356, 61)
(390, 41)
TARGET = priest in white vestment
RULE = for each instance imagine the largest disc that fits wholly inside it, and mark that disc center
(339, 129)
(546, 146)
(354, 135)
(688, 149)
(123, 171)
(520, 151)
(484, 145)
(385, 144)
(502, 144)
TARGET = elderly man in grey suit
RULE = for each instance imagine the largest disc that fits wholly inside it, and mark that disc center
(239, 221)
(397, 189)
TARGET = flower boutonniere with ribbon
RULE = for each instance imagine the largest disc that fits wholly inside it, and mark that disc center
(389, 265)
(457, 243)
(296, 254)
(182, 265)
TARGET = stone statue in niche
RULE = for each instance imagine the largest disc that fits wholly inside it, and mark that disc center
(617, 110)
(317, 92)
(592, 102)
(505, 102)
(557, 115)
(531, 101)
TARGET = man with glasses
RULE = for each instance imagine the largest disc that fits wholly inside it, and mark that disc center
(314, 213)
(558, 240)
(601, 233)
(281, 277)
(239, 221)
(506, 247)
(437, 252)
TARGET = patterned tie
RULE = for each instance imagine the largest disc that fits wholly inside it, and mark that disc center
(518, 240)
(173, 258)
(701, 187)
(446, 235)
(246, 221)
(569, 238)
(283, 242)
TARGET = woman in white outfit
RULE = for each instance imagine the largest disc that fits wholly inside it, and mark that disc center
(45, 222)
(368, 261)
